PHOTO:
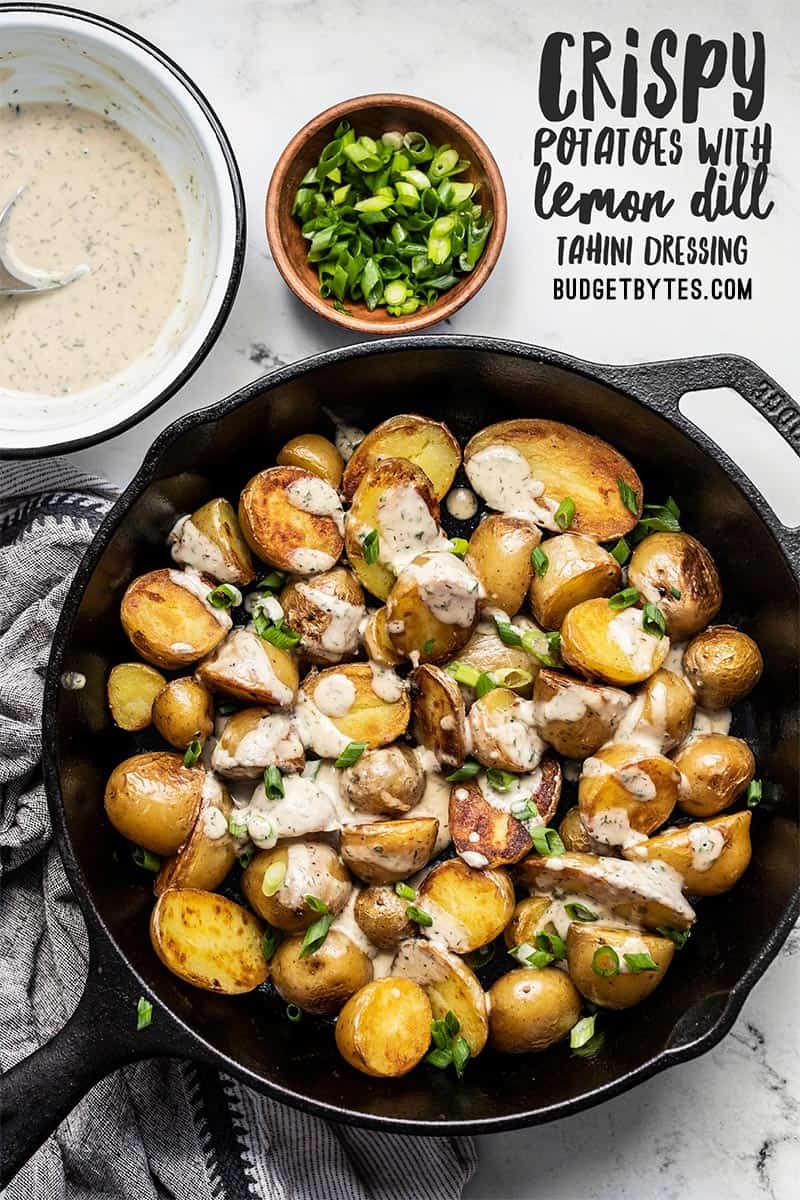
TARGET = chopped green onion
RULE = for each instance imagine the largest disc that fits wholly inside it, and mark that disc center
(371, 546)
(624, 599)
(628, 496)
(658, 518)
(551, 944)
(461, 1055)
(315, 935)
(605, 962)
(540, 561)
(428, 645)
(405, 891)
(275, 632)
(499, 780)
(579, 912)
(675, 592)
(508, 634)
(755, 793)
(480, 958)
(653, 621)
(484, 684)
(315, 904)
(418, 915)
(224, 596)
(582, 1031)
(565, 513)
(225, 710)
(144, 859)
(463, 673)
(272, 582)
(467, 770)
(270, 941)
(513, 678)
(144, 1014)
(550, 654)
(246, 857)
(351, 754)
(621, 552)
(451, 1023)
(525, 810)
(235, 829)
(293, 1013)
(459, 546)
(273, 878)
(273, 783)
(640, 962)
(193, 752)
(439, 1058)
(678, 936)
(546, 841)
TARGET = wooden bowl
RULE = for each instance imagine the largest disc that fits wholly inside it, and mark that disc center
(374, 115)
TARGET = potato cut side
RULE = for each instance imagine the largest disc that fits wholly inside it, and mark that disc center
(168, 620)
(208, 941)
(386, 851)
(626, 793)
(449, 984)
(292, 520)
(483, 829)
(613, 646)
(428, 444)
(385, 1028)
(132, 688)
(440, 720)
(468, 907)
(574, 716)
(370, 718)
(710, 856)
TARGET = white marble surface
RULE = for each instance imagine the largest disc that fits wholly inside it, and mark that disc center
(727, 1125)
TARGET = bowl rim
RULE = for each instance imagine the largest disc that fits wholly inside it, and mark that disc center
(46, 448)
(447, 304)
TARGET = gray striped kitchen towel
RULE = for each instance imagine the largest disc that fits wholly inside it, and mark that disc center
(161, 1128)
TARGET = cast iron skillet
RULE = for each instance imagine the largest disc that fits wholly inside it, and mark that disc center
(468, 382)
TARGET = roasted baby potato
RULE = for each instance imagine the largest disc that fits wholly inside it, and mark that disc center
(574, 716)
(661, 714)
(377, 643)
(449, 984)
(385, 1028)
(510, 665)
(385, 851)
(529, 465)
(527, 921)
(647, 894)
(381, 914)
(427, 444)
(183, 711)
(575, 837)
(387, 782)
(320, 982)
(210, 540)
(531, 1009)
(469, 908)
(131, 689)
(394, 499)
(626, 792)
(440, 719)
(250, 668)
(293, 871)
(483, 830)
(609, 645)
(499, 554)
(256, 738)
(168, 619)
(208, 854)
(292, 519)
(676, 572)
(503, 732)
(577, 570)
(600, 971)
(208, 941)
(315, 454)
(716, 770)
(722, 665)
(153, 800)
(326, 611)
(433, 607)
(368, 717)
(711, 856)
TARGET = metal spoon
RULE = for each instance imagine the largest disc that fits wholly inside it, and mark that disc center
(17, 279)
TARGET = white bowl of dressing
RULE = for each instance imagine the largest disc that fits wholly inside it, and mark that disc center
(129, 172)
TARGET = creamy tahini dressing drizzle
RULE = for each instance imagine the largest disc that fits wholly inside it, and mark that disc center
(348, 437)
(315, 496)
(272, 742)
(193, 582)
(513, 730)
(317, 731)
(215, 824)
(707, 843)
(447, 588)
(347, 924)
(386, 683)
(575, 702)
(192, 548)
(645, 652)
(406, 528)
(310, 562)
(610, 877)
(94, 195)
(503, 478)
(340, 636)
(334, 694)
(461, 503)
(524, 787)
(243, 658)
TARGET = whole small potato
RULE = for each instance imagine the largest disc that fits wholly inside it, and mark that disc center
(662, 713)
(676, 572)
(381, 914)
(153, 800)
(711, 857)
(309, 869)
(499, 553)
(182, 711)
(323, 981)
(716, 770)
(387, 782)
(385, 1028)
(526, 921)
(531, 1009)
(577, 570)
(722, 665)
(628, 986)
(327, 611)
(313, 453)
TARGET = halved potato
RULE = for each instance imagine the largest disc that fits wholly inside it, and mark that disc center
(153, 800)
(487, 653)
(628, 986)
(377, 643)
(381, 914)
(295, 870)
(449, 984)
(526, 921)
(503, 732)
(574, 716)
(614, 646)
(368, 717)
(625, 793)
(676, 572)
(661, 714)
(313, 453)
(469, 908)
(131, 689)
(722, 665)
(440, 719)
(168, 619)
(433, 607)
(210, 540)
(499, 553)
(531, 1009)
(292, 519)
(483, 830)
(208, 941)
(327, 612)
(182, 711)
(716, 771)
(321, 982)
(209, 852)
(575, 837)
(531, 465)
(577, 570)
(711, 856)
(428, 444)
(387, 782)
(249, 668)
(256, 738)
(648, 894)
(385, 1028)
(385, 851)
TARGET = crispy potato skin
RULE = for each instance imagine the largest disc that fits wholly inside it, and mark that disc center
(182, 711)
(570, 463)
(663, 561)
(208, 941)
(578, 569)
(202, 861)
(449, 984)
(218, 521)
(414, 629)
(381, 914)
(153, 800)
(377, 643)
(131, 689)
(327, 879)
(324, 981)
(574, 716)
(313, 620)
(440, 719)
(475, 906)
(315, 454)
(623, 787)
(370, 719)
(427, 444)
(662, 713)
(526, 921)
(275, 529)
(385, 1028)
(587, 645)
(158, 614)
(499, 553)
(717, 769)
(574, 836)
(387, 782)
(722, 665)
(674, 846)
(221, 671)
(628, 987)
(531, 1009)
(385, 851)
